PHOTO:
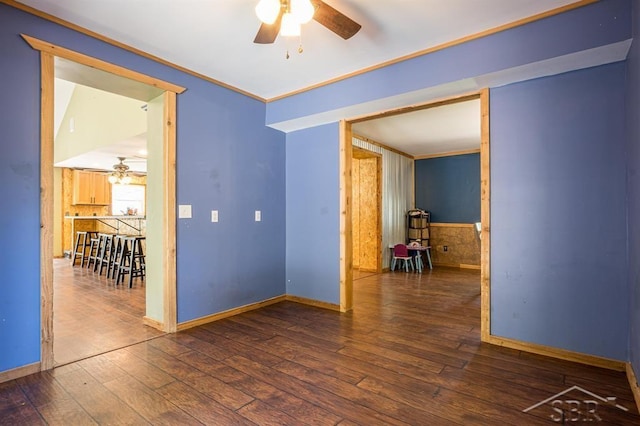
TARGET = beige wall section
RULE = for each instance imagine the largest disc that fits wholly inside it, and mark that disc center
(462, 241)
(94, 119)
(155, 210)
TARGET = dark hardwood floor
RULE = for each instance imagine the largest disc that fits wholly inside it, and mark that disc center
(91, 315)
(409, 353)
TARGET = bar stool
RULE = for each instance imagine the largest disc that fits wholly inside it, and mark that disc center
(131, 259)
(119, 250)
(105, 254)
(93, 251)
(80, 248)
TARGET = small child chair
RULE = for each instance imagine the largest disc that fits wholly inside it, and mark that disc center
(401, 253)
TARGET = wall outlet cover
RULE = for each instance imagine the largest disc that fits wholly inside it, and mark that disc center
(184, 211)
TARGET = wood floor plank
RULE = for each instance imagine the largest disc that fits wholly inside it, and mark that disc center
(234, 347)
(341, 406)
(145, 401)
(392, 408)
(101, 404)
(142, 370)
(15, 407)
(225, 394)
(65, 412)
(41, 389)
(264, 415)
(440, 404)
(168, 364)
(201, 407)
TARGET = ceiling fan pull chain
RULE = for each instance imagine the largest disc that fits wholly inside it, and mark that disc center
(300, 49)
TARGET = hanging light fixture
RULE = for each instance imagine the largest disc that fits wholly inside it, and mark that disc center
(290, 26)
(120, 173)
(296, 13)
(268, 10)
(303, 10)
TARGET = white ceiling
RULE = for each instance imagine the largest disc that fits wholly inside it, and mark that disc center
(215, 38)
(449, 128)
(133, 149)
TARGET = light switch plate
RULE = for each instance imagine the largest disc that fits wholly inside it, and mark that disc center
(184, 211)
(214, 215)
(258, 216)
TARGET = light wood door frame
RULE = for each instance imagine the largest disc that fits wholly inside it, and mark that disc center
(346, 265)
(48, 52)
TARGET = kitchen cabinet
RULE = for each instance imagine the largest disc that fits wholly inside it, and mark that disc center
(91, 188)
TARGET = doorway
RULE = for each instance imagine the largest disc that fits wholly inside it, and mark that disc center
(160, 284)
(347, 202)
(367, 212)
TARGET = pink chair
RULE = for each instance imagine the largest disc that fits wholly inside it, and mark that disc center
(401, 253)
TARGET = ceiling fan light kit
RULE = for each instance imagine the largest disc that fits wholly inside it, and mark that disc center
(268, 11)
(120, 173)
(303, 10)
(290, 26)
(286, 16)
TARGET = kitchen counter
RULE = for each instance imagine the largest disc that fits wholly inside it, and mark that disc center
(113, 222)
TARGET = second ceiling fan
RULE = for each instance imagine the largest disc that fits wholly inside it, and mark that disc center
(276, 14)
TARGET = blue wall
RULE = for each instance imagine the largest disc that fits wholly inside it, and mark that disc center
(226, 160)
(558, 212)
(20, 192)
(313, 213)
(449, 187)
(230, 162)
(633, 189)
(559, 270)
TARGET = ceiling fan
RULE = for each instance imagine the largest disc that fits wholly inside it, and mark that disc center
(275, 15)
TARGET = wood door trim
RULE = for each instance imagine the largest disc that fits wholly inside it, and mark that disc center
(346, 293)
(81, 58)
(47, 74)
(346, 227)
(46, 210)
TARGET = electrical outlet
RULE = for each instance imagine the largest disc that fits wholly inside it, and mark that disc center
(258, 216)
(214, 215)
(445, 248)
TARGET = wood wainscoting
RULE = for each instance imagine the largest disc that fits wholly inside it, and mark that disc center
(462, 245)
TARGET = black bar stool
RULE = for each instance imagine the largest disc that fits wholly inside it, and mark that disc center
(131, 259)
(93, 251)
(104, 257)
(83, 239)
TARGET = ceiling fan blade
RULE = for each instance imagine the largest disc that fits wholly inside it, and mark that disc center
(334, 20)
(268, 32)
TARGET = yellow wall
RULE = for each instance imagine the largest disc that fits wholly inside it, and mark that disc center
(99, 119)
